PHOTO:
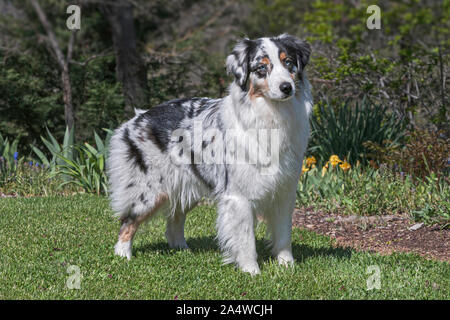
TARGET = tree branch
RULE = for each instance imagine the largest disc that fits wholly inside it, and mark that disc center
(50, 35)
(93, 57)
(70, 46)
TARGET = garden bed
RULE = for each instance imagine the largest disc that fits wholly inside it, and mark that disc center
(383, 234)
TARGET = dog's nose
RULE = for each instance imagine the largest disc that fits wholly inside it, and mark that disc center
(286, 88)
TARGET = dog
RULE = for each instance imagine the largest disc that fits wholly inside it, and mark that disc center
(168, 158)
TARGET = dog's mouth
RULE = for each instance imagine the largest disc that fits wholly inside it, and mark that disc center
(285, 98)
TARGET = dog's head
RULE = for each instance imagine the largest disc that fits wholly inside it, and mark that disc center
(269, 67)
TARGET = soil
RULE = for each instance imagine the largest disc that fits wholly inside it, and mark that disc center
(383, 234)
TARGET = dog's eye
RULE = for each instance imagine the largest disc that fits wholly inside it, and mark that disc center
(288, 63)
(262, 68)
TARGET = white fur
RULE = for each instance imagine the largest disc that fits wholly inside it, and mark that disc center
(123, 249)
(248, 192)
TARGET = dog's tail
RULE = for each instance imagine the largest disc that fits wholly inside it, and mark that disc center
(139, 111)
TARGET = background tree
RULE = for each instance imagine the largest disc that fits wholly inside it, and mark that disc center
(63, 62)
(131, 70)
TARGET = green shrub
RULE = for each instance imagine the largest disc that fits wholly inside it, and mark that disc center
(424, 153)
(54, 148)
(33, 179)
(343, 130)
(8, 157)
(87, 168)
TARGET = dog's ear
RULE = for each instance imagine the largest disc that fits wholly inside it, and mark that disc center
(238, 62)
(302, 49)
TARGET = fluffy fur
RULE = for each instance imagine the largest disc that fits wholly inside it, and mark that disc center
(244, 151)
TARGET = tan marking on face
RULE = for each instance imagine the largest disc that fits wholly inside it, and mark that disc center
(265, 60)
(283, 56)
(129, 227)
(256, 91)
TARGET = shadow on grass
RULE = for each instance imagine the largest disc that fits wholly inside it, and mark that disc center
(301, 252)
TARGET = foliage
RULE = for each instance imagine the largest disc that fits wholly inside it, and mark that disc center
(431, 211)
(8, 157)
(87, 168)
(424, 153)
(401, 66)
(54, 148)
(343, 130)
(367, 191)
(33, 179)
(30, 84)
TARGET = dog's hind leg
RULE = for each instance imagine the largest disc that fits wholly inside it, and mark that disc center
(175, 230)
(175, 227)
(131, 223)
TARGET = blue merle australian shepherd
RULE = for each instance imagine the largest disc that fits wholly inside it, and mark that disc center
(244, 151)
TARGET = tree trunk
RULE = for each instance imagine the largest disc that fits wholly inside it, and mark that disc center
(63, 63)
(130, 69)
(67, 97)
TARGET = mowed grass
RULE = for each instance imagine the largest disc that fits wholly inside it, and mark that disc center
(41, 237)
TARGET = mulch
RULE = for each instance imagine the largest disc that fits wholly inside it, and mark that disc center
(383, 234)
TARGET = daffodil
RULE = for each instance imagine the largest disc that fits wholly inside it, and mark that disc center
(334, 160)
(345, 166)
(304, 169)
(311, 161)
(324, 170)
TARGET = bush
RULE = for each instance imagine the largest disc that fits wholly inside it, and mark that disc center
(8, 157)
(425, 152)
(87, 168)
(54, 148)
(343, 130)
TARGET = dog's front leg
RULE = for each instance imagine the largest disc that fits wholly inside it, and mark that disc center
(235, 227)
(280, 226)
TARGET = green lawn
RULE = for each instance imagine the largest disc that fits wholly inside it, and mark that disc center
(41, 237)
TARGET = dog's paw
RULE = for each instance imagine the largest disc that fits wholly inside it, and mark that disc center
(251, 268)
(285, 259)
(123, 249)
(182, 245)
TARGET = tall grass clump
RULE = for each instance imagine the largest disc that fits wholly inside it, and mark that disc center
(8, 157)
(50, 157)
(23, 175)
(342, 130)
(86, 168)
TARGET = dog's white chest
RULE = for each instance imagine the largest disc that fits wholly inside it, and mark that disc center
(274, 158)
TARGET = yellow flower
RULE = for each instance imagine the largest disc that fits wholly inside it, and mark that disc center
(304, 169)
(310, 161)
(345, 166)
(334, 160)
(324, 170)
